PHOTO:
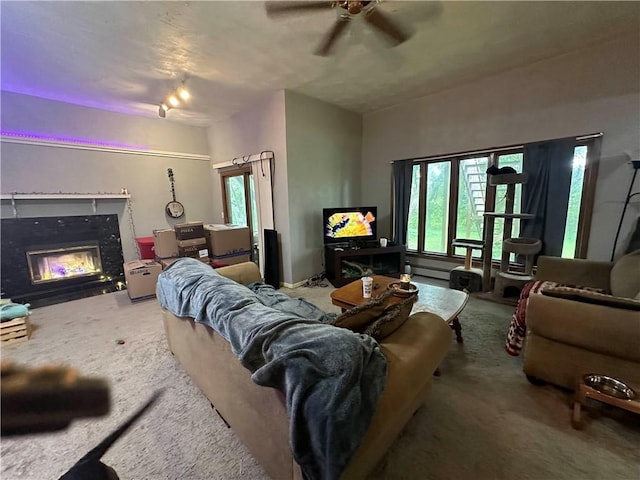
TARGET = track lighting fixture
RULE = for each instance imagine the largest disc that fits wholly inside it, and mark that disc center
(173, 100)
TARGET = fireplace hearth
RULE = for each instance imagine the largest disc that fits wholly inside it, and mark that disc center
(48, 260)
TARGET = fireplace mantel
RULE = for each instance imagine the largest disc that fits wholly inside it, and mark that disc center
(61, 196)
(94, 197)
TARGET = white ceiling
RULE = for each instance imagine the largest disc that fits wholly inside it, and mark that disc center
(126, 56)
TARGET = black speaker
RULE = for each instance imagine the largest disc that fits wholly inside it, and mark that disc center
(271, 259)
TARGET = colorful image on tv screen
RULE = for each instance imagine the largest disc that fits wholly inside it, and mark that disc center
(349, 224)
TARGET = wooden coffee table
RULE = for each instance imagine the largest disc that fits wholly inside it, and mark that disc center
(444, 302)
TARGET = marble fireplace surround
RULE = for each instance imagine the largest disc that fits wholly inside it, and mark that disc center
(20, 235)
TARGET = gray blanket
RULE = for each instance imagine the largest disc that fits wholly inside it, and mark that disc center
(332, 378)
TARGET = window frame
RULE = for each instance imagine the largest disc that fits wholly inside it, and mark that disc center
(245, 172)
(593, 144)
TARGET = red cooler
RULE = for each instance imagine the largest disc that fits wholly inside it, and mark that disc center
(146, 248)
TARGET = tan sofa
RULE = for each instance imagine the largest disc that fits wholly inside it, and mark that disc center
(566, 338)
(257, 414)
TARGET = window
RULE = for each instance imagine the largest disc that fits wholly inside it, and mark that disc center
(575, 200)
(236, 200)
(513, 160)
(412, 225)
(436, 225)
(240, 199)
(449, 195)
(472, 183)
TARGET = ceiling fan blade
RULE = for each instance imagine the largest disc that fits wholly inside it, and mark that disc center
(283, 8)
(382, 22)
(330, 39)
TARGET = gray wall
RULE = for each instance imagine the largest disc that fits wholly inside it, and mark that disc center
(35, 168)
(593, 90)
(324, 147)
(317, 148)
(248, 132)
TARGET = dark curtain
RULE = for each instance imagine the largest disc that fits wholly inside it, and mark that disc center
(402, 172)
(546, 193)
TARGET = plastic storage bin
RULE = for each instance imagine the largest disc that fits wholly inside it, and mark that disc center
(146, 248)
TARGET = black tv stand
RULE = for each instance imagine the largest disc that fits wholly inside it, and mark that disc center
(346, 263)
(356, 245)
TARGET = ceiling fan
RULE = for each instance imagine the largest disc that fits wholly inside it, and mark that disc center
(392, 31)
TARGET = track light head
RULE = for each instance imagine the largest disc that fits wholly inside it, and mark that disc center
(162, 112)
(183, 93)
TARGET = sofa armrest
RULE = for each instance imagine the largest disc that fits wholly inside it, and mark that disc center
(413, 353)
(422, 341)
(587, 273)
(599, 328)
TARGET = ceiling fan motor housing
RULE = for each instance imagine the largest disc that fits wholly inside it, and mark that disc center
(354, 6)
(374, 17)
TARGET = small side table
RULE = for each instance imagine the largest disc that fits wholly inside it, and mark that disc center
(584, 391)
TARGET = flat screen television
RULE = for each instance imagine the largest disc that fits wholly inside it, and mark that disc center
(347, 224)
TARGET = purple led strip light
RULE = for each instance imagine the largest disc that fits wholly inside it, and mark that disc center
(76, 141)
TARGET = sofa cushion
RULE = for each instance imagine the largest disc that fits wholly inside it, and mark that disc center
(360, 317)
(392, 319)
(589, 296)
(625, 275)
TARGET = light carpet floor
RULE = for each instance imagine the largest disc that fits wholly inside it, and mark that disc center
(482, 420)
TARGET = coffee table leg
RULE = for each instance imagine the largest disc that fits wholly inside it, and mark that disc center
(455, 325)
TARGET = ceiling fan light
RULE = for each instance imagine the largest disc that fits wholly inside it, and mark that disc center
(183, 93)
(173, 100)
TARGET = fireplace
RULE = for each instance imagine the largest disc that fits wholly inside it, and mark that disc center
(63, 263)
(49, 260)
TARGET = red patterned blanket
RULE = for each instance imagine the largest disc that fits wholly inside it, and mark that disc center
(518, 326)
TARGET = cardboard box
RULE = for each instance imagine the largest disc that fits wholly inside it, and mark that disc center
(165, 244)
(195, 247)
(141, 277)
(229, 244)
(189, 230)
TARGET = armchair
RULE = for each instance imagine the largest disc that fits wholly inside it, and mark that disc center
(566, 337)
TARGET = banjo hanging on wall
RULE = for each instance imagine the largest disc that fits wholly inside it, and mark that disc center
(174, 208)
